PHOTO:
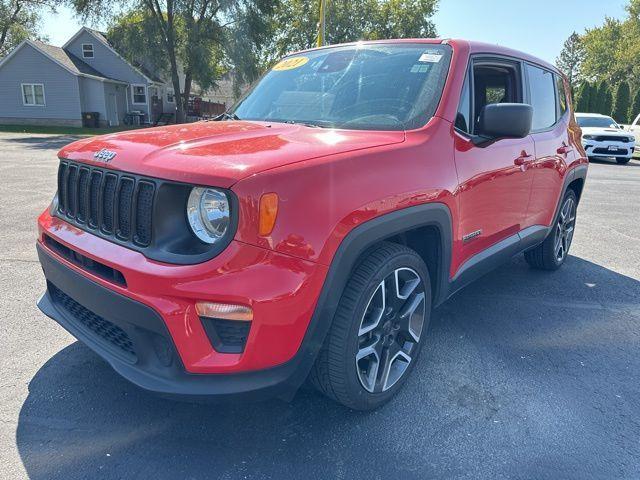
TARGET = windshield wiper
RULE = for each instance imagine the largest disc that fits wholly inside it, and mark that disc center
(225, 116)
(306, 124)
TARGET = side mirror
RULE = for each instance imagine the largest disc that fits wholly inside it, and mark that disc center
(504, 120)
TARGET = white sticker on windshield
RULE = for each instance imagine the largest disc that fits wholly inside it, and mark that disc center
(430, 57)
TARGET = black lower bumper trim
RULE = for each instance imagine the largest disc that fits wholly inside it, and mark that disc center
(156, 365)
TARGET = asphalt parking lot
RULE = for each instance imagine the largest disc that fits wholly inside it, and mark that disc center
(525, 374)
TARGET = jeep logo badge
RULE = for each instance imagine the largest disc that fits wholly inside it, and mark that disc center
(104, 155)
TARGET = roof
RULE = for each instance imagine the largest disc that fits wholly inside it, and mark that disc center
(102, 37)
(66, 60)
(584, 114)
(474, 47)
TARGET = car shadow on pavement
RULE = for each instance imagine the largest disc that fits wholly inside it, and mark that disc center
(44, 142)
(498, 391)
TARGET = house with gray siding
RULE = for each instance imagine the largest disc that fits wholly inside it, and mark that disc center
(45, 85)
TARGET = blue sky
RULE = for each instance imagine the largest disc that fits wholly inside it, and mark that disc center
(538, 27)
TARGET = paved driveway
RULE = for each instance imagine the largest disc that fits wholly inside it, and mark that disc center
(526, 374)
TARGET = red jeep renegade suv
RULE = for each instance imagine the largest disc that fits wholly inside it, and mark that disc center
(311, 229)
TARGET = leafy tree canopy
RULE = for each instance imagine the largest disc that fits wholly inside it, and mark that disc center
(295, 22)
(20, 20)
(570, 59)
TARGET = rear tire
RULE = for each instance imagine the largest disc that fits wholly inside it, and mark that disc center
(623, 161)
(552, 253)
(378, 329)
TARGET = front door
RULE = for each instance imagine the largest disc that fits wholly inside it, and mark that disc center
(495, 181)
(112, 110)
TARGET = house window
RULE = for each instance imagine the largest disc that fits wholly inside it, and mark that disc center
(139, 93)
(170, 97)
(33, 94)
(87, 50)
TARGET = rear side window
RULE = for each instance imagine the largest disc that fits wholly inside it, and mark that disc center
(543, 97)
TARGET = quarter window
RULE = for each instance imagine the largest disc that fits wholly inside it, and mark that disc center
(87, 50)
(33, 94)
(543, 97)
(562, 96)
(139, 94)
(463, 117)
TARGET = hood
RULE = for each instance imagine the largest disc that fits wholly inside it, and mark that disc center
(610, 132)
(220, 153)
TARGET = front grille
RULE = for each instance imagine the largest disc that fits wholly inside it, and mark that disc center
(116, 204)
(97, 268)
(610, 138)
(606, 151)
(104, 330)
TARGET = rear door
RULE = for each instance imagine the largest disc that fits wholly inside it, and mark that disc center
(550, 133)
(494, 179)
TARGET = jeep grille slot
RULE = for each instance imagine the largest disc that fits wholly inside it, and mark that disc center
(117, 205)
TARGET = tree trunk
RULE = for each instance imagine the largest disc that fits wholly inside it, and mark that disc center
(187, 89)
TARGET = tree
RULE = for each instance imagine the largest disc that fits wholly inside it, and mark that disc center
(583, 96)
(621, 103)
(607, 102)
(19, 20)
(296, 27)
(634, 111)
(600, 47)
(593, 98)
(570, 59)
(196, 36)
(603, 101)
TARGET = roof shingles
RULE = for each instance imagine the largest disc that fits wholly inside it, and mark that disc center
(70, 61)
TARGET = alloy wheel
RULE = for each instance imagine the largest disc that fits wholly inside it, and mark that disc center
(564, 229)
(390, 330)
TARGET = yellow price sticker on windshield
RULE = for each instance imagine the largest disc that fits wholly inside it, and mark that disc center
(290, 63)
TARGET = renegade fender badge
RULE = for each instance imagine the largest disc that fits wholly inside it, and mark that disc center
(104, 155)
(470, 236)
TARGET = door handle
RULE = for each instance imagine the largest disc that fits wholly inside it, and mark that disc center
(523, 159)
(564, 150)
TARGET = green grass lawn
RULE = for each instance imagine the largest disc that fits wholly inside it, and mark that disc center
(62, 130)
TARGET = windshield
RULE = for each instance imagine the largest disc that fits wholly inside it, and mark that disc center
(597, 122)
(364, 87)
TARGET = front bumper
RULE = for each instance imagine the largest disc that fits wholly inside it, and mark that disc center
(604, 149)
(160, 343)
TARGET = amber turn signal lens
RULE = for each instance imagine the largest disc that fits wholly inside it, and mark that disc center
(268, 213)
(224, 311)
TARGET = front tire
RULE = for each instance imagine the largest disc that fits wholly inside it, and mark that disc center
(623, 161)
(552, 253)
(378, 329)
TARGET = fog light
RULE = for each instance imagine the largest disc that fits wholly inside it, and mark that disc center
(224, 311)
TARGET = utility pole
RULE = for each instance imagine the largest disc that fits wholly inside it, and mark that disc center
(321, 24)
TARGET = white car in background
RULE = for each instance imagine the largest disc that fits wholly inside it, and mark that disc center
(634, 128)
(603, 137)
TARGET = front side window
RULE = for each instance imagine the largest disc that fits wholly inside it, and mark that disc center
(87, 50)
(487, 83)
(33, 94)
(543, 97)
(364, 87)
(139, 93)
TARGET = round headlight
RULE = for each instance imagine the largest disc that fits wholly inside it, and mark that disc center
(208, 214)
